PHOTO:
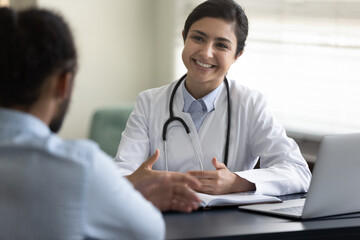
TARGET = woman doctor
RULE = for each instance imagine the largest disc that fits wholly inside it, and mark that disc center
(229, 125)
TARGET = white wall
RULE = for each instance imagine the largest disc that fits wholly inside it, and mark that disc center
(124, 47)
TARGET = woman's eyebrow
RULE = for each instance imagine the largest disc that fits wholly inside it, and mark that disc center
(206, 36)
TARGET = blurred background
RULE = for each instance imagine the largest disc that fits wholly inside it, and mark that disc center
(304, 55)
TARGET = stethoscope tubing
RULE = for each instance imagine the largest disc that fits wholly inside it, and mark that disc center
(186, 127)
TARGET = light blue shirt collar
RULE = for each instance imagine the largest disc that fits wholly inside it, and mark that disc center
(208, 100)
(28, 122)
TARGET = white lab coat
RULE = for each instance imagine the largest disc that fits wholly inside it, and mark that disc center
(254, 133)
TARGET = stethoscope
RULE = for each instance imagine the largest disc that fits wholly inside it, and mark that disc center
(187, 129)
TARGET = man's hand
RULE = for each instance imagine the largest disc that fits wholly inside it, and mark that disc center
(166, 190)
(221, 181)
(169, 192)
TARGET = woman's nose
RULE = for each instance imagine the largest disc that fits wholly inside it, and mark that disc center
(207, 50)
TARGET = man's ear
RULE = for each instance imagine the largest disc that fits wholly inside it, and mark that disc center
(64, 85)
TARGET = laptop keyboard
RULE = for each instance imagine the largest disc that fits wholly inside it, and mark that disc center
(291, 210)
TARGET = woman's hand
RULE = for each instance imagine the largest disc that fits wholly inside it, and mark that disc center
(221, 181)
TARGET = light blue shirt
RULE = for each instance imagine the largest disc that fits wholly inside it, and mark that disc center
(199, 108)
(52, 188)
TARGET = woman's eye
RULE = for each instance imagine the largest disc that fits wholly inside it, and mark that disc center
(222, 45)
(197, 38)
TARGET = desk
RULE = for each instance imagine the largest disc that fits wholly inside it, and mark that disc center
(231, 223)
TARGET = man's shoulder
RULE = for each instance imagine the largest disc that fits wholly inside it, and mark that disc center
(76, 148)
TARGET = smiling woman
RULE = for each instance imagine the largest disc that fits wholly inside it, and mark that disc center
(215, 129)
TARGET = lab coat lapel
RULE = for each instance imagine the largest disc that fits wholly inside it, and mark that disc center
(178, 111)
(212, 133)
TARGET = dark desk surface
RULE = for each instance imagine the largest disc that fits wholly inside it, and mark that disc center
(231, 223)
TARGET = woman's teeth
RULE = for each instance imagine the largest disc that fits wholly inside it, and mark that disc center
(203, 64)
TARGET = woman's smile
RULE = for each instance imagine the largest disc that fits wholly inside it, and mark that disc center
(203, 64)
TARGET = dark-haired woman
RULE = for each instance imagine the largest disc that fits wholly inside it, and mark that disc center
(208, 126)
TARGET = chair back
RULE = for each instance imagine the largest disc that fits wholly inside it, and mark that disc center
(107, 125)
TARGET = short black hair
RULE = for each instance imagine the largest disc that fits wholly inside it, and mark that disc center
(227, 10)
(34, 43)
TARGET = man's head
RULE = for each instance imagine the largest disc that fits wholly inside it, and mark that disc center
(35, 46)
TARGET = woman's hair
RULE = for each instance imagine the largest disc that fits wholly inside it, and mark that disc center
(34, 44)
(227, 10)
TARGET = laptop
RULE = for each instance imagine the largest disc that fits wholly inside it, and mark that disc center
(334, 187)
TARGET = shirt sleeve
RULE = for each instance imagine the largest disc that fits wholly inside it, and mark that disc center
(134, 145)
(114, 209)
(283, 170)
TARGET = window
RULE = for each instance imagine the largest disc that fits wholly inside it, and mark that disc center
(304, 55)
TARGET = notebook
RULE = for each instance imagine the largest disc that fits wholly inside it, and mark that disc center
(234, 199)
(334, 187)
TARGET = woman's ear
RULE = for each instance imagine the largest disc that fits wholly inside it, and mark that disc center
(183, 35)
(237, 57)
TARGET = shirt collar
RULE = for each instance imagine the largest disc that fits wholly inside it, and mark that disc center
(208, 100)
(20, 120)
